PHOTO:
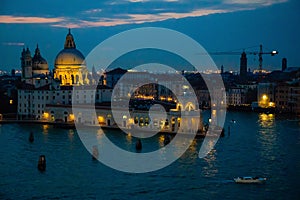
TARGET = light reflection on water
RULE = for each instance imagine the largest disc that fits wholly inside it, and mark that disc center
(267, 136)
(258, 145)
(266, 120)
(71, 133)
(210, 169)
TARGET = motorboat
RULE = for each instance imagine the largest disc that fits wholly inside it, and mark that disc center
(249, 179)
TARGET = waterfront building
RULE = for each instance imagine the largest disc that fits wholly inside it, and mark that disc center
(266, 95)
(236, 96)
(287, 97)
(157, 86)
(137, 119)
(294, 101)
(203, 98)
(113, 76)
(282, 97)
(33, 102)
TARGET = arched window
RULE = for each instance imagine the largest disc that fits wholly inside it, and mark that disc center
(72, 79)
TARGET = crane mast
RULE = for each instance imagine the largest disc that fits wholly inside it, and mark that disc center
(260, 58)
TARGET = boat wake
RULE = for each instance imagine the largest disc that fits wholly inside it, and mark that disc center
(222, 181)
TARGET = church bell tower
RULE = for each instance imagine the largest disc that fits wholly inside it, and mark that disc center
(26, 64)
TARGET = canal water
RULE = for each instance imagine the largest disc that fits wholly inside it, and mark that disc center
(258, 145)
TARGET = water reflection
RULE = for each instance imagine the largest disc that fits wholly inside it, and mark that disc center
(193, 146)
(99, 134)
(45, 129)
(267, 137)
(71, 135)
(129, 138)
(266, 120)
(161, 139)
(192, 152)
(210, 169)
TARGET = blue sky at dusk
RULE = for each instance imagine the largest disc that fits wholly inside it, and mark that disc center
(218, 25)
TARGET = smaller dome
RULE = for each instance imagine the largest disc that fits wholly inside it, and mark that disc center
(38, 62)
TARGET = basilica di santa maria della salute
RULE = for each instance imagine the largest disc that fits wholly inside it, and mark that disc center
(69, 66)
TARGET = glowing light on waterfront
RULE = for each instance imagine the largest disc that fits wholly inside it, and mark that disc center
(72, 117)
(264, 102)
(101, 120)
(46, 115)
(264, 97)
(271, 104)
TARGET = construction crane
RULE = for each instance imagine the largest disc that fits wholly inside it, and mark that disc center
(259, 53)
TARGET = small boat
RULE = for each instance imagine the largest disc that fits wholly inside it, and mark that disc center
(42, 163)
(138, 145)
(167, 139)
(31, 137)
(95, 152)
(249, 179)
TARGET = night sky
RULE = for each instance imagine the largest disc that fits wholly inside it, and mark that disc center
(218, 25)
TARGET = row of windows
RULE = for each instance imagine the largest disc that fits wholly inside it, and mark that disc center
(281, 91)
(280, 96)
(33, 105)
(282, 103)
(25, 110)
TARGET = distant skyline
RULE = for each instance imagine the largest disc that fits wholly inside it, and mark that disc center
(218, 25)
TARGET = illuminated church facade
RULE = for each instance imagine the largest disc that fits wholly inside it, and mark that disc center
(69, 66)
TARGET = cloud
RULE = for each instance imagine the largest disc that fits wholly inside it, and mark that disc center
(92, 11)
(138, 1)
(171, 0)
(251, 2)
(136, 19)
(121, 12)
(13, 43)
(10, 19)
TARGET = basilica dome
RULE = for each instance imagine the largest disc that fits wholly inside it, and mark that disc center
(69, 56)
